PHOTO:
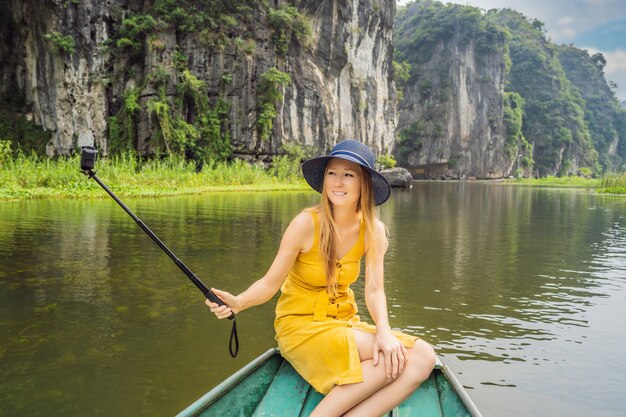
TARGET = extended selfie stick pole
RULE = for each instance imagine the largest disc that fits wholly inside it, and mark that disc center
(87, 163)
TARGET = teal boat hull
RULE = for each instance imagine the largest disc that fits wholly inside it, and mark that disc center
(269, 386)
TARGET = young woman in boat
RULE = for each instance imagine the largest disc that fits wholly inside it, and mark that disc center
(363, 370)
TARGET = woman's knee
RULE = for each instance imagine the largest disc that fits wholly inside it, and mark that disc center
(422, 360)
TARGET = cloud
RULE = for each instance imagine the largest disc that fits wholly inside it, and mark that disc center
(566, 20)
(567, 33)
(615, 70)
(602, 3)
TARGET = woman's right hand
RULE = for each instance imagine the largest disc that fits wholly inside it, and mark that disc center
(223, 312)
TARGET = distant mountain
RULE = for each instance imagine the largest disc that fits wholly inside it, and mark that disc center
(487, 94)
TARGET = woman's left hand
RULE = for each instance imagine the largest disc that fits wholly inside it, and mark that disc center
(394, 353)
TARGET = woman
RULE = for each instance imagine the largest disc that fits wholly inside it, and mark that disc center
(363, 370)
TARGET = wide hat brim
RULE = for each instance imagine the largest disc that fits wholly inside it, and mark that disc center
(314, 169)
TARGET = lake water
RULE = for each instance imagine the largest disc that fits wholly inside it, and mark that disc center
(521, 290)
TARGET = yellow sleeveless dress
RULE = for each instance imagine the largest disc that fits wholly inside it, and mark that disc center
(314, 331)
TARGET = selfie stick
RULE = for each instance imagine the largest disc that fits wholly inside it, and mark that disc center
(87, 163)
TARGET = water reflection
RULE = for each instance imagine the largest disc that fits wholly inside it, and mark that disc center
(506, 261)
(518, 288)
(510, 275)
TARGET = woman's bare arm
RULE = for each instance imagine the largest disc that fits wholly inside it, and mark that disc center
(296, 236)
(393, 351)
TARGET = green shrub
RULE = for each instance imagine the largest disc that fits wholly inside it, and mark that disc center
(133, 32)
(269, 95)
(23, 133)
(585, 172)
(60, 43)
(5, 152)
(287, 22)
(288, 167)
(122, 131)
(386, 161)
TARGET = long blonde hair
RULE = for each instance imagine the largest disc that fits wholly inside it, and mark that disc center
(366, 209)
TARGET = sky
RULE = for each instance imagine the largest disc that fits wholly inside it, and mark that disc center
(594, 25)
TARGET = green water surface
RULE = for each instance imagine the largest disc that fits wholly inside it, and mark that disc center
(521, 290)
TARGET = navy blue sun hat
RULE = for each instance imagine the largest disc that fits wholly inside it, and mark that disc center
(354, 151)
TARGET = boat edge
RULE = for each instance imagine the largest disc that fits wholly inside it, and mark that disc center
(203, 402)
(458, 388)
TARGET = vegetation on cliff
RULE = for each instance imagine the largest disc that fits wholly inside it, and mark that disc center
(434, 44)
(161, 101)
(189, 118)
(420, 26)
(516, 145)
(561, 115)
(604, 115)
(554, 121)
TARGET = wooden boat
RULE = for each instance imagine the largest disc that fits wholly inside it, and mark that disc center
(269, 386)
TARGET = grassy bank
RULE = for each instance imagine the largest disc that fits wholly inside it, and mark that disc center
(609, 183)
(575, 182)
(613, 183)
(26, 177)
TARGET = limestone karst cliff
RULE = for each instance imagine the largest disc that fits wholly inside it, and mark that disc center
(73, 65)
(451, 118)
(489, 95)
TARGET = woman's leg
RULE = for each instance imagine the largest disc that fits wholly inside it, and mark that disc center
(344, 397)
(351, 396)
(419, 366)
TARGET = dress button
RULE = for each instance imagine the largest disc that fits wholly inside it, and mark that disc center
(338, 264)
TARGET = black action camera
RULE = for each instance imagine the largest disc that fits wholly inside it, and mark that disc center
(88, 156)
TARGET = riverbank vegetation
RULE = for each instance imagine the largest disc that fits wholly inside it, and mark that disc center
(32, 176)
(611, 183)
(552, 181)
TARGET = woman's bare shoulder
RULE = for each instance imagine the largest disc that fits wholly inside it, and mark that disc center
(301, 227)
(301, 230)
(380, 235)
(303, 221)
(379, 228)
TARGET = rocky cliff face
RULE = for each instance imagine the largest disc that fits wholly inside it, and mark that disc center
(342, 87)
(340, 81)
(456, 105)
(451, 118)
(65, 94)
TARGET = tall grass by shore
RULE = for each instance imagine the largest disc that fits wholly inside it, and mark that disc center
(613, 184)
(33, 176)
(551, 181)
